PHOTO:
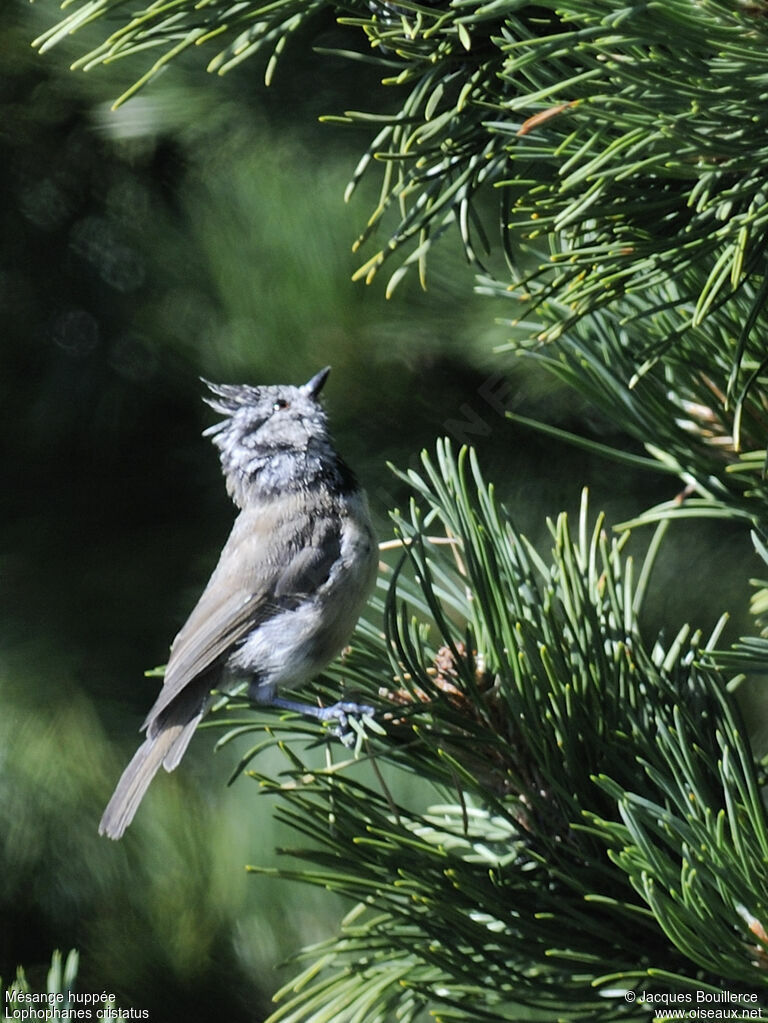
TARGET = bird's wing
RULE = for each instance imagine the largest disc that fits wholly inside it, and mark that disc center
(217, 626)
(248, 586)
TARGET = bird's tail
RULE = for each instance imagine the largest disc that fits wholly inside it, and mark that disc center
(164, 746)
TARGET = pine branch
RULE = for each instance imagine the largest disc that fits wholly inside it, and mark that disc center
(601, 822)
(678, 405)
(621, 163)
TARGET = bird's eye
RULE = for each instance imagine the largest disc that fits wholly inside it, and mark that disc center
(279, 403)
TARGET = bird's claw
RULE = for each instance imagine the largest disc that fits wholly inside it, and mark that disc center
(347, 716)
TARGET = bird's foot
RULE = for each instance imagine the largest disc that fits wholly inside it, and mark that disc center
(345, 713)
(348, 716)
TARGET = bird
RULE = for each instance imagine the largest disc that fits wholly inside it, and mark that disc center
(289, 586)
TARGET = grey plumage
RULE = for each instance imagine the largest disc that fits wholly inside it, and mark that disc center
(289, 585)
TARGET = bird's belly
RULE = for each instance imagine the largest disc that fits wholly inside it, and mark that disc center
(297, 643)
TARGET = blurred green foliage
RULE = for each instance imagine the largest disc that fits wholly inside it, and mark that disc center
(200, 231)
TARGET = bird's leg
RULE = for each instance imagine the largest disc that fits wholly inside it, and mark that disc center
(340, 712)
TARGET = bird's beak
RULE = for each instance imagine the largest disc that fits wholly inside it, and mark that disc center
(314, 386)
